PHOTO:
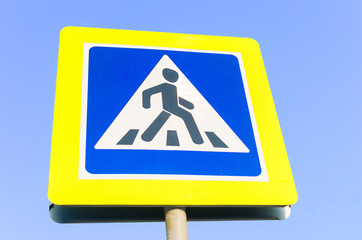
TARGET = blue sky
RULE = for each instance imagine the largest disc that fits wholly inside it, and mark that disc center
(313, 57)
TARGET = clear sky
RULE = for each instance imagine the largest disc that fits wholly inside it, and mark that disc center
(313, 57)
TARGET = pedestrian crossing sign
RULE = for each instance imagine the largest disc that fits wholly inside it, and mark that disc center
(151, 105)
(144, 118)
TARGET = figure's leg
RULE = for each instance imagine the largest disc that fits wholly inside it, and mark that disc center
(155, 126)
(190, 124)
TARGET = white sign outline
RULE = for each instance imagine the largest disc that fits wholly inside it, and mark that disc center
(84, 174)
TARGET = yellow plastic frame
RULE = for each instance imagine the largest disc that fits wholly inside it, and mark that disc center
(65, 188)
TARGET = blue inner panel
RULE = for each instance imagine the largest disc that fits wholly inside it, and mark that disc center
(114, 76)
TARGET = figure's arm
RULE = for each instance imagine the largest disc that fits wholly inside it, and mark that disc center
(146, 95)
(186, 103)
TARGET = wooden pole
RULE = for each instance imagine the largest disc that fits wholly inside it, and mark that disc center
(176, 223)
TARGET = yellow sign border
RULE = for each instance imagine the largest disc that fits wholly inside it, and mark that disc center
(65, 188)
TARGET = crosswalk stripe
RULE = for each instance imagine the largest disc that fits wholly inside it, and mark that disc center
(129, 137)
(215, 140)
(172, 139)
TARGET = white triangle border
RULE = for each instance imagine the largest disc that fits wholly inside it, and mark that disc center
(84, 174)
(109, 140)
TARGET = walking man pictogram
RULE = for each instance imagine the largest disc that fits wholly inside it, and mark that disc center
(171, 105)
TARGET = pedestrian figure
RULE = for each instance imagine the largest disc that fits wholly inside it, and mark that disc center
(171, 105)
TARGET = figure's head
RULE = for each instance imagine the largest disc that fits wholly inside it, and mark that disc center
(170, 75)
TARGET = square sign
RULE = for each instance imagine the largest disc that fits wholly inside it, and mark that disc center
(139, 123)
(161, 119)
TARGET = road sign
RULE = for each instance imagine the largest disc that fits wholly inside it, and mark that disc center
(157, 119)
(166, 123)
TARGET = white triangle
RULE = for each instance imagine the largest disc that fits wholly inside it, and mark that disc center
(134, 116)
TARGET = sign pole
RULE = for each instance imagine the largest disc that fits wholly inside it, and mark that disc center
(176, 223)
